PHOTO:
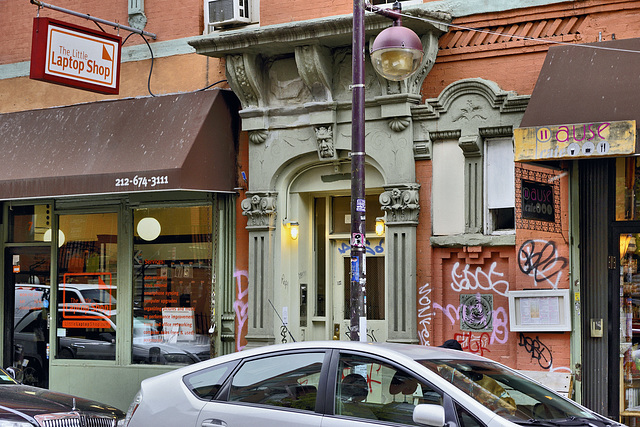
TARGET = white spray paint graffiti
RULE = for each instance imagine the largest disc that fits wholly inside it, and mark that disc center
(467, 280)
(424, 314)
(241, 305)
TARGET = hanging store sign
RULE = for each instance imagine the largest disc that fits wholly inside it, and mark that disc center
(575, 141)
(75, 56)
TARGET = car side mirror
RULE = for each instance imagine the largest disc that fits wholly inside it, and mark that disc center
(13, 373)
(429, 415)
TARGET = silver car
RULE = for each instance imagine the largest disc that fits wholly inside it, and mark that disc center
(335, 383)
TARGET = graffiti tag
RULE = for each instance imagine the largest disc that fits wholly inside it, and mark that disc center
(537, 350)
(539, 259)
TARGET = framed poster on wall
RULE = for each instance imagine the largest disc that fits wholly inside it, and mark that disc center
(541, 310)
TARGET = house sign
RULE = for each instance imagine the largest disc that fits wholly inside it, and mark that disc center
(75, 56)
(575, 141)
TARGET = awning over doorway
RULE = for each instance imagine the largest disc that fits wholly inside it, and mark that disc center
(586, 84)
(170, 142)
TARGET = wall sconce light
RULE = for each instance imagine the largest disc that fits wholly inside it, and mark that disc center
(294, 229)
(380, 226)
(149, 228)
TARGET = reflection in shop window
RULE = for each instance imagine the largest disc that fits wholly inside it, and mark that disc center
(87, 271)
(172, 285)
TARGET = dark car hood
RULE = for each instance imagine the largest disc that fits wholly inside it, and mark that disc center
(32, 401)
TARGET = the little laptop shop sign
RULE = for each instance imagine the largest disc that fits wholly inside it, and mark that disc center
(575, 141)
(75, 56)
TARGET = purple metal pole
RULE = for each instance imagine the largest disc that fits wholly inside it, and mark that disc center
(358, 317)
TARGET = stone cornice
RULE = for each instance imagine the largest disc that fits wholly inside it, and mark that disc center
(331, 32)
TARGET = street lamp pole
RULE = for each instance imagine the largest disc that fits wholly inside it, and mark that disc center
(396, 54)
(358, 331)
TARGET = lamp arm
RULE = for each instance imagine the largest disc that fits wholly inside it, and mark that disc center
(389, 13)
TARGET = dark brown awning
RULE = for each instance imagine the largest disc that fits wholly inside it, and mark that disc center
(586, 83)
(171, 142)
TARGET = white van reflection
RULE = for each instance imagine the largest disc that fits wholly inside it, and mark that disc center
(83, 340)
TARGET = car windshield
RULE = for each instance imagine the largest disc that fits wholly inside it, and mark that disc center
(103, 296)
(508, 394)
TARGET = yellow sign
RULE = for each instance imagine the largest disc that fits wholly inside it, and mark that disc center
(575, 141)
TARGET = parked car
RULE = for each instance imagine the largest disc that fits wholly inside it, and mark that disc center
(31, 296)
(352, 384)
(26, 406)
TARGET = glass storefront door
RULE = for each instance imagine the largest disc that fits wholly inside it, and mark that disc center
(630, 324)
(28, 283)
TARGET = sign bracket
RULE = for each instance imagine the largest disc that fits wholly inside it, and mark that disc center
(94, 19)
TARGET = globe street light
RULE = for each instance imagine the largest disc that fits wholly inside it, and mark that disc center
(396, 54)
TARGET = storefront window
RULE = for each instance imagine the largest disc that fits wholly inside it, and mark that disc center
(628, 189)
(172, 285)
(30, 224)
(87, 286)
(630, 321)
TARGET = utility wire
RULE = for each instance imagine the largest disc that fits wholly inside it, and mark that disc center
(526, 38)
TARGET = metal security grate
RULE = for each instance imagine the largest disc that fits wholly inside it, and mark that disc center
(75, 419)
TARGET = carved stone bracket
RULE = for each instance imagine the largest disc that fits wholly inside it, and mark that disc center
(244, 73)
(402, 203)
(314, 66)
(260, 210)
(471, 145)
(325, 143)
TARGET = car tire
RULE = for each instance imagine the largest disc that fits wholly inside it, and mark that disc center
(32, 375)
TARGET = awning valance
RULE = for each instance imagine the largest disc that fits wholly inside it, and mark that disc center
(171, 142)
(591, 83)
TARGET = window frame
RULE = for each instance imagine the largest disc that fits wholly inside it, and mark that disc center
(489, 213)
(332, 383)
(224, 393)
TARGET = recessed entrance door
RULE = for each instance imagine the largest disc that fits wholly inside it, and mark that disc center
(27, 297)
(375, 291)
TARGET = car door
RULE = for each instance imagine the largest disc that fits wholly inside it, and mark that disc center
(367, 390)
(278, 390)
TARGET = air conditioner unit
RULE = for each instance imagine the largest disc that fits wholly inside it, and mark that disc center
(221, 13)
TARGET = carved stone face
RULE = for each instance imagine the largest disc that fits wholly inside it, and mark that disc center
(326, 148)
(324, 139)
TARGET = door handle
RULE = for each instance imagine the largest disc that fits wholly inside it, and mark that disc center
(213, 423)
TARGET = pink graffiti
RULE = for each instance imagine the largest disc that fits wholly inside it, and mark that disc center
(473, 343)
(424, 314)
(500, 332)
(449, 312)
(241, 305)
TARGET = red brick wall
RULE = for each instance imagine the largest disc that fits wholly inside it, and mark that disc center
(275, 12)
(167, 19)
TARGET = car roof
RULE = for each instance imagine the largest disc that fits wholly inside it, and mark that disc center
(404, 354)
(78, 286)
(390, 350)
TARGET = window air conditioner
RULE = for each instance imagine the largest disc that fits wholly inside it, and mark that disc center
(221, 13)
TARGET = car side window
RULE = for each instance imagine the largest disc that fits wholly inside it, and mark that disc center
(372, 389)
(465, 419)
(206, 383)
(286, 380)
